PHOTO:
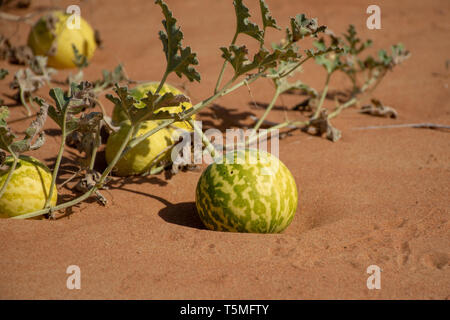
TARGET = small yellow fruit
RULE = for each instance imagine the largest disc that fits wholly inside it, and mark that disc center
(40, 40)
(140, 158)
(139, 92)
(28, 189)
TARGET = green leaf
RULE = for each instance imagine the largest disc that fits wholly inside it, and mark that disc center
(179, 59)
(182, 64)
(244, 25)
(115, 76)
(237, 57)
(4, 114)
(125, 100)
(6, 136)
(268, 20)
(153, 103)
(262, 60)
(60, 99)
(284, 85)
(353, 41)
(384, 57)
(302, 27)
(147, 108)
(3, 73)
(80, 60)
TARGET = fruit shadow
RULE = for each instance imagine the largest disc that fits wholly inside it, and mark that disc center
(223, 118)
(183, 214)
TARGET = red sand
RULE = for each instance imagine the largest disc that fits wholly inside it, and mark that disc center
(375, 197)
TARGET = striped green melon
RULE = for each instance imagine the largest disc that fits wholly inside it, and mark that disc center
(250, 191)
(28, 189)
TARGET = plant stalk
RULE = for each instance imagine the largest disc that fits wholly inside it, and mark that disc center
(58, 161)
(161, 83)
(10, 173)
(222, 71)
(272, 103)
(86, 194)
(322, 97)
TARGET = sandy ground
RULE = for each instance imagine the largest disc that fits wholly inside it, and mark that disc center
(377, 197)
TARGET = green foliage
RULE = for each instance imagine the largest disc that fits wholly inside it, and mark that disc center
(147, 108)
(179, 60)
(268, 20)
(244, 25)
(80, 60)
(331, 61)
(3, 73)
(34, 136)
(277, 63)
(302, 27)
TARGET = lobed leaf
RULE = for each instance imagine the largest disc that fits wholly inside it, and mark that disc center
(244, 25)
(3, 73)
(80, 60)
(302, 27)
(179, 60)
(268, 20)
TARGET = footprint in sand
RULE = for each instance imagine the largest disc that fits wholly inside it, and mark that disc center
(436, 260)
(404, 254)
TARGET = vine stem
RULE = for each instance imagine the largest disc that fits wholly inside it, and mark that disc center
(256, 137)
(24, 103)
(205, 140)
(272, 103)
(58, 161)
(128, 143)
(97, 142)
(161, 83)
(222, 71)
(86, 194)
(10, 173)
(190, 112)
(342, 107)
(295, 67)
(322, 97)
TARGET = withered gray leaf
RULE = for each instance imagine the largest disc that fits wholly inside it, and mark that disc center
(323, 125)
(379, 110)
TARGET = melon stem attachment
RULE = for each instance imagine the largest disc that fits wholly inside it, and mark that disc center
(205, 140)
(10, 173)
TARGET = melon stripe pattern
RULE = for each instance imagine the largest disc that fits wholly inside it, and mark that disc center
(257, 195)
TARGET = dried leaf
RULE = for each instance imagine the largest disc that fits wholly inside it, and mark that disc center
(90, 180)
(378, 109)
(302, 27)
(323, 125)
